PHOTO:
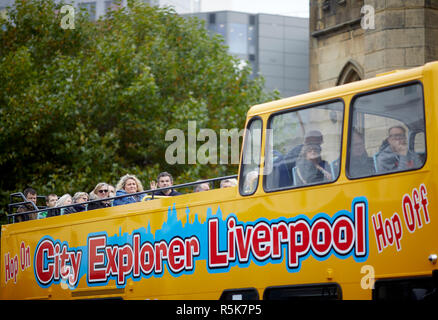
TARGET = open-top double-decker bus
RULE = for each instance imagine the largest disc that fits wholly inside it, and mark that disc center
(335, 200)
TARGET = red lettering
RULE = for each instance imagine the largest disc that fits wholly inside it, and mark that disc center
(243, 239)
(192, 249)
(398, 230)
(299, 241)
(379, 232)
(231, 246)
(96, 259)
(408, 213)
(280, 235)
(360, 228)
(424, 202)
(111, 254)
(416, 199)
(75, 260)
(321, 237)
(147, 258)
(44, 252)
(343, 235)
(125, 263)
(215, 258)
(64, 258)
(160, 254)
(176, 255)
(388, 232)
(261, 241)
(136, 244)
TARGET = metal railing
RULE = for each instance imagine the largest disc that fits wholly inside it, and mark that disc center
(11, 215)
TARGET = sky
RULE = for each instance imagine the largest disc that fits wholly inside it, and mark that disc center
(297, 8)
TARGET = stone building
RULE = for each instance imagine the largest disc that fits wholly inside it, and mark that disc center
(357, 39)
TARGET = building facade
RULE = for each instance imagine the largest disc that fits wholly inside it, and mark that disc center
(276, 47)
(358, 39)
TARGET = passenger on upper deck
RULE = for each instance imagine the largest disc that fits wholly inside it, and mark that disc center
(80, 197)
(396, 156)
(202, 187)
(111, 191)
(310, 167)
(100, 192)
(50, 203)
(65, 200)
(30, 195)
(164, 180)
(128, 184)
(228, 183)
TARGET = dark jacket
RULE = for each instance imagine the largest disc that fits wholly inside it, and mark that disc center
(388, 160)
(361, 166)
(308, 173)
(172, 194)
(98, 205)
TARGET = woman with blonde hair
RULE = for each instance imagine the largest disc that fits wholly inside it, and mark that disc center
(100, 191)
(128, 184)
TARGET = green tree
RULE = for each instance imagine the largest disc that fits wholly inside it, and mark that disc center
(89, 104)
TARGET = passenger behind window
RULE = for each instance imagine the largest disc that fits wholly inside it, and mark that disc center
(100, 192)
(128, 184)
(360, 163)
(310, 167)
(396, 156)
(250, 182)
(313, 137)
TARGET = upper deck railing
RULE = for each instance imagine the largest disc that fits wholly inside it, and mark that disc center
(11, 215)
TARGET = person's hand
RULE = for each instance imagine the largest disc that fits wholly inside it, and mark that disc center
(326, 174)
(401, 148)
(153, 184)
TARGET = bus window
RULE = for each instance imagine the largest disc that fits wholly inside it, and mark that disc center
(304, 146)
(251, 158)
(324, 291)
(387, 132)
(403, 289)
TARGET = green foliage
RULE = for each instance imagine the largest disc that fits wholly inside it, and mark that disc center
(84, 105)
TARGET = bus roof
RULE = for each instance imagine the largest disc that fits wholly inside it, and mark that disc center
(388, 78)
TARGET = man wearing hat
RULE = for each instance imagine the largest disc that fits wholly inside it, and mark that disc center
(313, 137)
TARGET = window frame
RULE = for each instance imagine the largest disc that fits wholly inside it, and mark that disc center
(350, 128)
(296, 109)
(242, 164)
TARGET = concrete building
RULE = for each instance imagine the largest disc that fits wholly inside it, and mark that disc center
(357, 39)
(277, 47)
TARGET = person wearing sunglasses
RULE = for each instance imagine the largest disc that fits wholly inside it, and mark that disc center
(100, 192)
(310, 167)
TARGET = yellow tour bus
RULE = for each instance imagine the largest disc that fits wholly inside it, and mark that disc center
(335, 200)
